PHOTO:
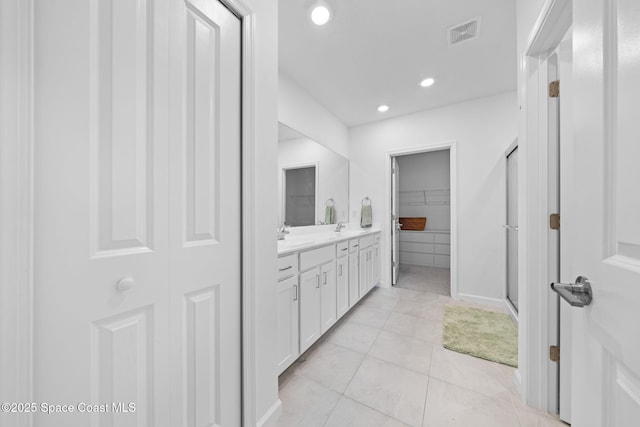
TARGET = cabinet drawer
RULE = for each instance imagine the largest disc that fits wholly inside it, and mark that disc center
(442, 249)
(342, 249)
(425, 248)
(442, 260)
(354, 245)
(316, 257)
(287, 266)
(416, 236)
(365, 242)
(416, 259)
(443, 238)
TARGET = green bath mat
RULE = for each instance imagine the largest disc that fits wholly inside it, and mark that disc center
(484, 334)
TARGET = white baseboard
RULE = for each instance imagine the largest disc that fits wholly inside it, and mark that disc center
(494, 302)
(517, 380)
(270, 418)
(511, 310)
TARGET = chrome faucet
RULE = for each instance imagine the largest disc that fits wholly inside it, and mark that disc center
(340, 226)
(282, 231)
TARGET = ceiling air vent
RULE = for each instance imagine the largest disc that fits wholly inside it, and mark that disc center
(466, 31)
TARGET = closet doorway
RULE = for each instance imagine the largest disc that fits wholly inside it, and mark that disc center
(421, 218)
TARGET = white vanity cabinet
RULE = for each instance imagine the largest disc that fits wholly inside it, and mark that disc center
(354, 272)
(287, 308)
(317, 286)
(367, 279)
(310, 328)
(376, 260)
(328, 291)
(342, 279)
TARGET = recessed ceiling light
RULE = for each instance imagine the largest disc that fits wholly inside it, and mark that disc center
(320, 14)
(383, 108)
(427, 82)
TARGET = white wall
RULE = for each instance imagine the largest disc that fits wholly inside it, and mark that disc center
(333, 174)
(483, 129)
(301, 112)
(425, 171)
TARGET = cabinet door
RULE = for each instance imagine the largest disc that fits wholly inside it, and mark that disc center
(309, 308)
(376, 265)
(354, 285)
(287, 312)
(364, 275)
(328, 295)
(342, 286)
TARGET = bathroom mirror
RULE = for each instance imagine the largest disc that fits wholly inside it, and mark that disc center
(310, 178)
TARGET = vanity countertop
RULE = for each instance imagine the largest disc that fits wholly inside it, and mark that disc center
(303, 242)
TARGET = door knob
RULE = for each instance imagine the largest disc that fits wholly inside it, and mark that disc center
(578, 294)
(125, 284)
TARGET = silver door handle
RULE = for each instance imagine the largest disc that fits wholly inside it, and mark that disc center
(324, 279)
(578, 294)
(511, 227)
(286, 268)
(295, 288)
(340, 270)
(317, 280)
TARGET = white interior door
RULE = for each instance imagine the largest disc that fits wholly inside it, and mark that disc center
(137, 242)
(606, 344)
(395, 219)
(205, 216)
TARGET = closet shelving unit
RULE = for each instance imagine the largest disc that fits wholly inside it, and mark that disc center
(429, 247)
(437, 196)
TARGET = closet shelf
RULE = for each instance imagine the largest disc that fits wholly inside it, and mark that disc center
(437, 196)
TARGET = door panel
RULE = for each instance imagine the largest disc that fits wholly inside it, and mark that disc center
(205, 259)
(606, 349)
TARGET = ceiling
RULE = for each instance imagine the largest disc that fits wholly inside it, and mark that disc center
(376, 52)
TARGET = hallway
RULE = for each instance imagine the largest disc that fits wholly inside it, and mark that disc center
(384, 365)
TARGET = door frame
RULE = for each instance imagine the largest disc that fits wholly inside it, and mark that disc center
(511, 309)
(533, 378)
(17, 204)
(453, 173)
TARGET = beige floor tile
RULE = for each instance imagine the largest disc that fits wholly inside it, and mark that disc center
(531, 417)
(404, 351)
(368, 316)
(305, 403)
(469, 372)
(395, 391)
(380, 301)
(332, 366)
(429, 310)
(353, 414)
(354, 336)
(422, 329)
(450, 405)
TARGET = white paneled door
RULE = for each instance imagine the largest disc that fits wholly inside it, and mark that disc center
(606, 202)
(137, 213)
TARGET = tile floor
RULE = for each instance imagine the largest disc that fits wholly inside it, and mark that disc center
(436, 280)
(383, 364)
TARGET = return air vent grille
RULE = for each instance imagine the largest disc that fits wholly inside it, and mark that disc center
(466, 31)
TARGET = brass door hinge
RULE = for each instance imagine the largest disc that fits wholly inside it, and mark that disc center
(554, 353)
(554, 89)
(554, 221)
